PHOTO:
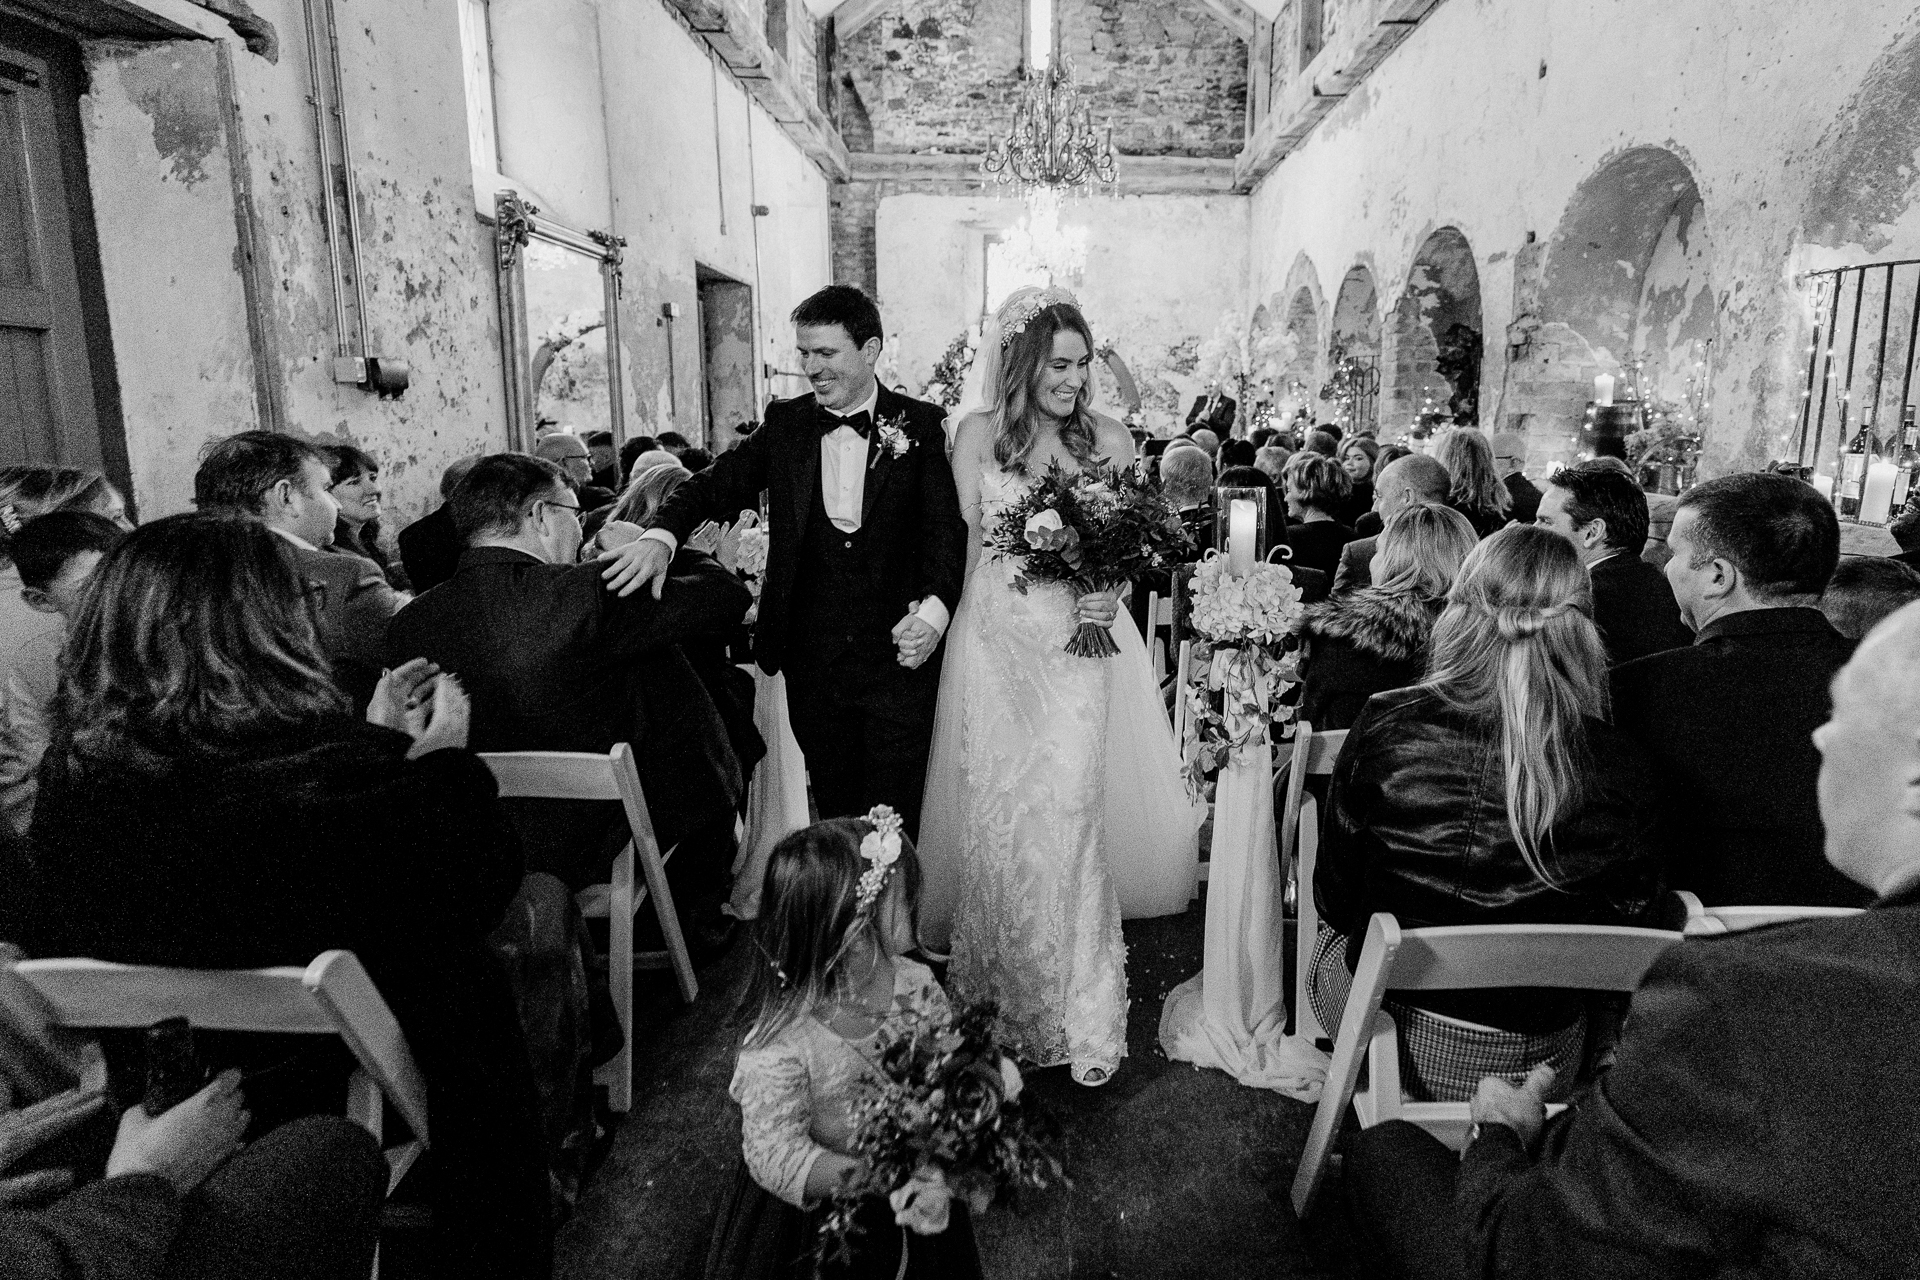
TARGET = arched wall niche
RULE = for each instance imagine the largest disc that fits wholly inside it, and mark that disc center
(1627, 290)
(1354, 334)
(1433, 340)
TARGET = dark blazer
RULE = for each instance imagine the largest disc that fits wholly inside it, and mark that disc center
(1729, 723)
(1634, 608)
(353, 605)
(1363, 643)
(326, 837)
(909, 501)
(1317, 545)
(1759, 1120)
(556, 662)
(1526, 498)
(1220, 421)
(1356, 561)
(1358, 506)
(1417, 825)
(430, 549)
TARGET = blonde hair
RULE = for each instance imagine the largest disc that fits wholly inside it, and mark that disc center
(1423, 548)
(1468, 458)
(1516, 645)
(649, 491)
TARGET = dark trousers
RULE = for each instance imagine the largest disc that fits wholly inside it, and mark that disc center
(865, 724)
(302, 1203)
(1400, 1183)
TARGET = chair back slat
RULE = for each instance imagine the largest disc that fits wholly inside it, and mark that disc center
(1735, 919)
(93, 994)
(554, 775)
(338, 984)
(1578, 956)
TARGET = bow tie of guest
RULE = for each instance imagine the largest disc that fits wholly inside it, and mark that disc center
(861, 423)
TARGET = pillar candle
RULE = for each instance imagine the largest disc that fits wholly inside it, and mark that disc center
(1242, 520)
(1877, 503)
(1603, 389)
(1825, 485)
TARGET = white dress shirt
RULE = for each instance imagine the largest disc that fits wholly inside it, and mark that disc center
(844, 454)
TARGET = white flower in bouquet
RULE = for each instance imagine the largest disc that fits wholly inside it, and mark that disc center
(752, 559)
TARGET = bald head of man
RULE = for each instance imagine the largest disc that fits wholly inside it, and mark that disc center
(567, 452)
(1870, 759)
(1406, 481)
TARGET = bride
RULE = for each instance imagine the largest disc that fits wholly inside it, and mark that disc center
(1054, 802)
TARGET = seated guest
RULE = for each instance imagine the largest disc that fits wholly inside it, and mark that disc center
(1604, 514)
(1270, 459)
(1357, 455)
(604, 459)
(1237, 453)
(1758, 1119)
(285, 483)
(25, 493)
(209, 800)
(55, 555)
(696, 459)
(674, 443)
(555, 662)
(356, 491)
(1316, 487)
(569, 453)
(1374, 638)
(429, 548)
(1186, 478)
(1323, 440)
(1729, 720)
(1369, 524)
(1477, 492)
(1402, 483)
(1207, 441)
(1261, 437)
(1865, 589)
(632, 449)
(1905, 529)
(1509, 460)
(1494, 792)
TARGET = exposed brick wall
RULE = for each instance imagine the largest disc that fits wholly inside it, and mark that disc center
(944, 75)
(855, 255)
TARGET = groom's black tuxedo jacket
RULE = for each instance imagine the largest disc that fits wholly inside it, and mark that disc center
(911, 531)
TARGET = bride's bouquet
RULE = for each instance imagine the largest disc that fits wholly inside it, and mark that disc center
(945, 1098)
(1093, 530)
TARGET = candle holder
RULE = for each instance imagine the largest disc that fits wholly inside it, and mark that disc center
(1240, 527)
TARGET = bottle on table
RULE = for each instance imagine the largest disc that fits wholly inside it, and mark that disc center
(1853, 473)
(1908, 460)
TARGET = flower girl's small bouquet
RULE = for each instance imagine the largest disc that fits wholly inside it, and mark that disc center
(946, 1098)
(1094, 531)
(1246, 625)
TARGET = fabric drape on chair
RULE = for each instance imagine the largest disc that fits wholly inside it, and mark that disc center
(776, 795)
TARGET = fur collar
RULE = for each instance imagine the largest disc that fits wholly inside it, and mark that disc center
(1390, 625)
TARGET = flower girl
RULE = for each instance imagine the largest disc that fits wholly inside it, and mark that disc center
(836, 919)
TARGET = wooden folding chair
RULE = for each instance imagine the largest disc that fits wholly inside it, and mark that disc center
(1159, 617)
(1697, 920)
(1451, 958)
(1313, 757)
(580, 775)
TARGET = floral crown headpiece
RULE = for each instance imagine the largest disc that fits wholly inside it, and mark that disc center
(1020, 313)
(880, 850)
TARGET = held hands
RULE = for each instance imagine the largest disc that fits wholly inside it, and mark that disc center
(1098, 607)
(642, 561)
(186, 1143)
(924, 1204)
(917, 640)
(427, 705)
(1520, 1107)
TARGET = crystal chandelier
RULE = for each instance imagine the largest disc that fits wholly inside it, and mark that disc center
(1052, 142)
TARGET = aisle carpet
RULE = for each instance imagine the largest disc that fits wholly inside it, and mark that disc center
(1177, 1172)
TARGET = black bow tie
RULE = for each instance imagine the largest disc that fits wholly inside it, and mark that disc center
(861, 422)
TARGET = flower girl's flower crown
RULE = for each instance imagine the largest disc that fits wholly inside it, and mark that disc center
(1019, 310)
(880, 849)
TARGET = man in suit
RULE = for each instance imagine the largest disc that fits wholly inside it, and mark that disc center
(1401, 484)
(1603, 513)
(285, 483)
(571, 455)
(1758, 1119)
(1729, 719)
(865, 558)
(555, 663)
(1214, 411)
(429, 547)
(1509, 457)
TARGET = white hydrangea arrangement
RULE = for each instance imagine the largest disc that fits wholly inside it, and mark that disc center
(1247, 629)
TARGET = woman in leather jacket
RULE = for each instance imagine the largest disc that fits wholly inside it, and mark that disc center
(1493, 793)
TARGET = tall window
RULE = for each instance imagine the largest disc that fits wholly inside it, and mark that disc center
(476, 48)
(1039, 35)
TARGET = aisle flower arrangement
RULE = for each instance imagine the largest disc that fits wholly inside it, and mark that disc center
(1092, 530)
(1246, 639)
(945, 1096)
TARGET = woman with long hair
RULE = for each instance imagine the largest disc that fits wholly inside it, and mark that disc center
(1358, 458)
(1478, 492)
(1372, 639)
(356, 490)
(1494, 792)
(208, 800)
(1053, 802)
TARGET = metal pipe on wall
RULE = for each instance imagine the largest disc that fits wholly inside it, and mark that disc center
(347, 177)
(330, 214)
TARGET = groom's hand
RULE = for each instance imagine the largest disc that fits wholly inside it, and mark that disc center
(916, 639)
(633, 566)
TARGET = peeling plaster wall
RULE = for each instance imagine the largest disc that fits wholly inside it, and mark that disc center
(1160, 274)
(1799, 124)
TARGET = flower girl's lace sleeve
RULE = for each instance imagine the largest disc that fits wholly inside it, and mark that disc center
(775, 1094)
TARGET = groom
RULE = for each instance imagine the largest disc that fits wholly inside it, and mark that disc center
(866, 553)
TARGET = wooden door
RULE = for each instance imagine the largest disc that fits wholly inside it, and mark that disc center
(48, 409)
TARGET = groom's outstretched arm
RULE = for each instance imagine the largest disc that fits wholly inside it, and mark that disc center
(943, 531)
(731, 485)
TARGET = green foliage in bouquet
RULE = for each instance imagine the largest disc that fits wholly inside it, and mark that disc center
(945, 1095)
(1093, 530)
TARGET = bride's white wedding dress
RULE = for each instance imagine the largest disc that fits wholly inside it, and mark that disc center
(1054, 806)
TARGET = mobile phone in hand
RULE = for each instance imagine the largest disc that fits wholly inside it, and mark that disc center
(174, 1073)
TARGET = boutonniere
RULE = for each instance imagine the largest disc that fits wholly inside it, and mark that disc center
(891, 432)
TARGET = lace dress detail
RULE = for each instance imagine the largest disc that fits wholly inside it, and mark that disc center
(796, 1092)
(1037, 923)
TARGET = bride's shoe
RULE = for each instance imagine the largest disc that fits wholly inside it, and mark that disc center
(1090, 1074)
